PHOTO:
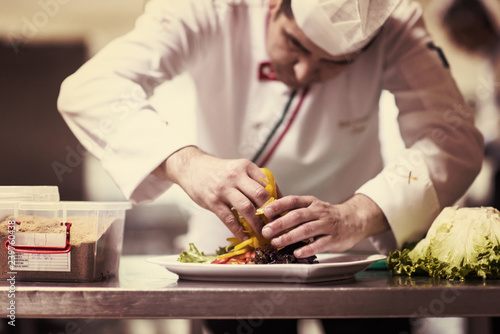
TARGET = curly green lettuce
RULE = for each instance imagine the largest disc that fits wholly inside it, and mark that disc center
(461, 243)
(193, 255)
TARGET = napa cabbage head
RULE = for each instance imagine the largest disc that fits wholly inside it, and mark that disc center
(461, 243)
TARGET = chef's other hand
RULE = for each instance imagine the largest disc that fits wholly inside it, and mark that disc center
(333, 228)
(219, 185)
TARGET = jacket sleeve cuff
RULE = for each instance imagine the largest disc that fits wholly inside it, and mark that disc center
(138, 146)
(405, 194)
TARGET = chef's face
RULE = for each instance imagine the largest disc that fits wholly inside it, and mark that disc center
(296, 60)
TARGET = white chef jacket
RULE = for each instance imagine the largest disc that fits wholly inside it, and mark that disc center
(324, 144)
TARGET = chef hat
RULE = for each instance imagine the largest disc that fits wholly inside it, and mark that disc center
(341, 26)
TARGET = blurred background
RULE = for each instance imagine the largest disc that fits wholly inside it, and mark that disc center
(42, 42)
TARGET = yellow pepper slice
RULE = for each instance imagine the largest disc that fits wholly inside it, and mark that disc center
(270, 183)
(231, 254)
(255, 240)
(242, 244)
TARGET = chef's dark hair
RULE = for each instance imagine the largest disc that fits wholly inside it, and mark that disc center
(285, 8)
(471, 25)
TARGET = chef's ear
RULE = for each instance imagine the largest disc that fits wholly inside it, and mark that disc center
(274, 4)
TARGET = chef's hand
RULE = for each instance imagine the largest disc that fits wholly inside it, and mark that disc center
(218, 185)
(334, 228)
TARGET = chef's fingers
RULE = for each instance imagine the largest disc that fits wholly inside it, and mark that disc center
(329, 234)
(245, 176)
(291, 205)
(246, 208)
(229, 219)
(334, 229)
(254, 186)
(250, 194)
(324, 243)
(320, 244)
(286, 204)
(291, 220)
(255, 192)
(255, 173)
(302, 232)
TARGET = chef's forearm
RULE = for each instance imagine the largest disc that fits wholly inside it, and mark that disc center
(176, 163)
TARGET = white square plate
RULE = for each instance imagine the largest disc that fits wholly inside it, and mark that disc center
(330, 267)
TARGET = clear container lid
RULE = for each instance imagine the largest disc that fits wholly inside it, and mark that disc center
(76, 205)
(29, 193)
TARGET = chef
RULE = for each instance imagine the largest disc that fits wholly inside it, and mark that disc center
(293, 86)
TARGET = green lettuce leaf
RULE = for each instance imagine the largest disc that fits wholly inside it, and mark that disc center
(194, 256)
(461, 243)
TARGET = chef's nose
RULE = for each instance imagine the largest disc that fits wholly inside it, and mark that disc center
(306, 69)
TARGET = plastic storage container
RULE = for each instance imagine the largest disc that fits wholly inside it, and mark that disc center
(10, 195)
(29, 193)
(62, 241)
